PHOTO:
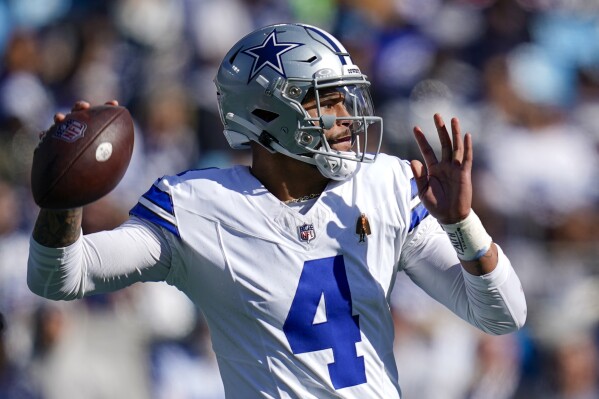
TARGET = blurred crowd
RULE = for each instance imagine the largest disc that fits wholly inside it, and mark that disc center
(522, 76)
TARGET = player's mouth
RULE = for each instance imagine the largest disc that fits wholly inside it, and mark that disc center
(339, 140)
(340, 143)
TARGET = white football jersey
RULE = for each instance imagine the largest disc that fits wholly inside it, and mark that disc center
(297, 305)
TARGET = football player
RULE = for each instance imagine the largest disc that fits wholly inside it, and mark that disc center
(292, 260)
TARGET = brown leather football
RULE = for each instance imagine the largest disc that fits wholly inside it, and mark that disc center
(82, 158)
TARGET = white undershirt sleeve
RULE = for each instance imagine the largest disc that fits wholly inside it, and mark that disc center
(100, 262)
(494, 302)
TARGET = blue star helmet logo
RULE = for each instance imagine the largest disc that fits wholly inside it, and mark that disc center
(269, 54)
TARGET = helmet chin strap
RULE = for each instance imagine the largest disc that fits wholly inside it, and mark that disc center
(334, 167)
(329, 166)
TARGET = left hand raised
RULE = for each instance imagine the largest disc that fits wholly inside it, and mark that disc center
(445, 187)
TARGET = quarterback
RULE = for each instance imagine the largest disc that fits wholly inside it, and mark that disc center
(292, 260)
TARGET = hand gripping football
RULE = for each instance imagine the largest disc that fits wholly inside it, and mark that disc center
(82, 158)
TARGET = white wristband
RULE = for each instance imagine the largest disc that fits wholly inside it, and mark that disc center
(469, 237)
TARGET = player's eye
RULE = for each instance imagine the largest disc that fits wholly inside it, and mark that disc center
(331, 102)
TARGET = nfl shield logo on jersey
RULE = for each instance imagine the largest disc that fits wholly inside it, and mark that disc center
(306, 232)
(70, 130)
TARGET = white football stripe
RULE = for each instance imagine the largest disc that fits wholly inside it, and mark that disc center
(158, 210)
(415, 201)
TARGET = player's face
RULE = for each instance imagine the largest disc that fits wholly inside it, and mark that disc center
(332, 102)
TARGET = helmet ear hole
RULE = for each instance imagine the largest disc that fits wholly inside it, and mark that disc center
(265, 115)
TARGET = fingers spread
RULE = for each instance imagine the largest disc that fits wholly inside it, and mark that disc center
(417, 168)
(420, 175)
(455, 149)
(425, 148)
(446, 150)
(468, 152)
(458, 145)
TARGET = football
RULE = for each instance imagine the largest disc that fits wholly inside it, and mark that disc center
(82, 158)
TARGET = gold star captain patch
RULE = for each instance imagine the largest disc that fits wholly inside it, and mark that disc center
(362, 227)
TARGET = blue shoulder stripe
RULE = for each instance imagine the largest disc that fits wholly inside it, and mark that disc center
(418, 214)
(414, 188)
(145, 213)
(160, 198)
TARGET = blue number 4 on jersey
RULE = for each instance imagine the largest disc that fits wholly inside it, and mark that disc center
(326, 278)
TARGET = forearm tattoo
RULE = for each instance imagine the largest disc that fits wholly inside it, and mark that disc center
(57, 229)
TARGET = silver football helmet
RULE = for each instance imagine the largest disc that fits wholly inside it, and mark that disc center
(265, 77)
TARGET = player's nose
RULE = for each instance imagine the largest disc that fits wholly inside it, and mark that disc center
(341, 113)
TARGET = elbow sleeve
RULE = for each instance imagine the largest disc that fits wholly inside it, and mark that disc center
(497, 300)
(55, 273)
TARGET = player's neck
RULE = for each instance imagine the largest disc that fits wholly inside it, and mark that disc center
(285, 177)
